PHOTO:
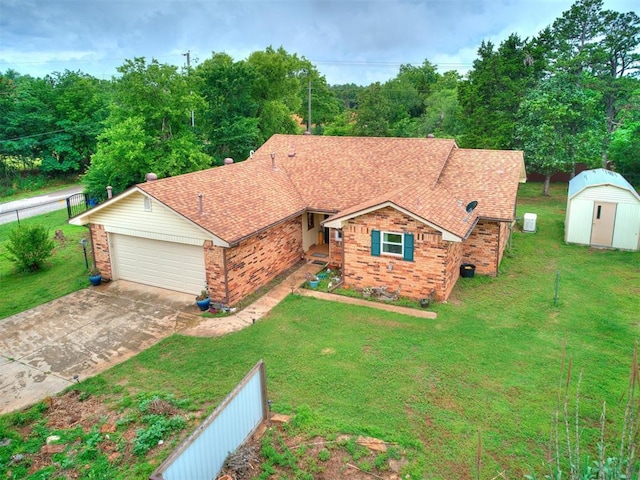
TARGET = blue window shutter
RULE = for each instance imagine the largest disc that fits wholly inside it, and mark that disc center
(408, 247)
(375, 243)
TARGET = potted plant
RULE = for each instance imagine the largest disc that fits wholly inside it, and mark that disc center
(95, 277)
(202, 300)
(426, 301)
(312, 280)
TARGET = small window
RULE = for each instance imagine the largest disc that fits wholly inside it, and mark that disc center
(147, 204)
(310, 221)
(338, 235)
(599, 212)
(392, 243)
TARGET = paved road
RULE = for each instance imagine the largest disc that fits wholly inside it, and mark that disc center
(30, 207)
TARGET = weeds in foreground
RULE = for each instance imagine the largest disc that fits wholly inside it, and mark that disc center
(612, 462)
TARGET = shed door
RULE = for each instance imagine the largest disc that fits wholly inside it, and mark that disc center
(604, 215)
(170, 265)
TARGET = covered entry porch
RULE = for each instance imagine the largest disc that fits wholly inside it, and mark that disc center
(321, 244)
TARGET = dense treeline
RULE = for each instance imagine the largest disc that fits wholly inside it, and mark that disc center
(571, 94)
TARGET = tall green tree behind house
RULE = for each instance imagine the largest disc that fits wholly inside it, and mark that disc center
(228, 121)
(316, 94)
(497, 83)
(604, 45)
(374, 109)
(558, 126)
(148, 129)
(276, 89)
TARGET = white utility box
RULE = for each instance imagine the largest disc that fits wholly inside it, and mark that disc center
(529, 224)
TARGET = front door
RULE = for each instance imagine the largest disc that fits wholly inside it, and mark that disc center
(604, 215)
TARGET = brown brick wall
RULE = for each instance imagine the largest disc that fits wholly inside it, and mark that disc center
(100, 246)
(261, 258)
(432, 268)
(482, 248)
(505, 232)
(215, 272)
(335, 250)
(452, 268)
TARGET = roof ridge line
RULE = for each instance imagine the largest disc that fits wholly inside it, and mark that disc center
(454, 144)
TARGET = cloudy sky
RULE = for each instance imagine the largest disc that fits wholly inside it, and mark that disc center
(359, 41)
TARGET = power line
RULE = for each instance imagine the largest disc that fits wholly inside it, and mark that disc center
(45, 133)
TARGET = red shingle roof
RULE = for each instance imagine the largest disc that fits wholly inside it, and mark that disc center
(432, 178)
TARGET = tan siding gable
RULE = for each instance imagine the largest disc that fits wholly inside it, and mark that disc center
(128, 216)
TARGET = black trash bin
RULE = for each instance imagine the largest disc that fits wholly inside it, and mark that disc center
(467, 270)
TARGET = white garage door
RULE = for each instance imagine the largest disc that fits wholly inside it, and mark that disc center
(170, 265)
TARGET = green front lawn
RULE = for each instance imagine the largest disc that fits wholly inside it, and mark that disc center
(490, 363)
(64, 272)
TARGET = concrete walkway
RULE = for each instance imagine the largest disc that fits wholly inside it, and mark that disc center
(215, 327)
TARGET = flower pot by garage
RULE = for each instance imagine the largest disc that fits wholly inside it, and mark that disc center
(425, 302)
(95, 279)
(467, 270)
(203, 304)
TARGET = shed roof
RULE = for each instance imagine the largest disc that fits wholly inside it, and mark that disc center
(597, 177)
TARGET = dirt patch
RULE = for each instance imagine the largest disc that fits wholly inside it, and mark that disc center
(295, 456)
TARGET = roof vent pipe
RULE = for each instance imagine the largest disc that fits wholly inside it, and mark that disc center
(150, 177)
(109, 191)
(273, 161)
(200, 195)
(228, 161)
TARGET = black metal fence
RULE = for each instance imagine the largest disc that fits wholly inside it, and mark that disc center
(78, 203)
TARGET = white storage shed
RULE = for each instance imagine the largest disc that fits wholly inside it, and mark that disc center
(603, 210)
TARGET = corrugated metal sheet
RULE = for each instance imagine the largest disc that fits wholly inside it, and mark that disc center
(627, 228)
(202, 455)
(598, 176)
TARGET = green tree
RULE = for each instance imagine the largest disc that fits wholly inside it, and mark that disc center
(27, 118)
(496, 85)
(325, 106)
(442, 115)
(29, 247)
(559, 125)
(276, 89)
(228, 121)
(625, 140)
(604, 44)
(372, 115)
(79, 103)
(148, 129)
(52, 121)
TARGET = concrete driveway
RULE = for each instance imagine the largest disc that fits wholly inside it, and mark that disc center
(84, 333)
